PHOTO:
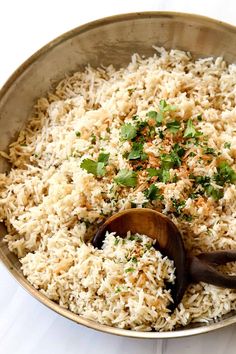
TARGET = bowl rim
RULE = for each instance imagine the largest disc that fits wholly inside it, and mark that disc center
(18, 276)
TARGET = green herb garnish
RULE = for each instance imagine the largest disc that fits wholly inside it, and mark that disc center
(199, 117)
(173, 127)
(103, 157)
(209, 151)
(227, 145)
(153, 193)
(128, 132)
(178, 205)
(129, 270)
(215, 193)
(225, 174)
(170, 160)
(93, 139)
(78, 134)
(126, 178)
(164, 175)
(96, 168)
(190, 131)
(137, 152)
(152, 172)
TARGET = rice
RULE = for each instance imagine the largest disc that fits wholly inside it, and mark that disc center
(159, 133)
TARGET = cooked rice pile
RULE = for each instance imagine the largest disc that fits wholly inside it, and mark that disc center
(159, 133)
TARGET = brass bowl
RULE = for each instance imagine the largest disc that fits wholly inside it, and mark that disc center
(106, 41)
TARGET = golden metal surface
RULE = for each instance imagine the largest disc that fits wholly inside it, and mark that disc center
(107, 41)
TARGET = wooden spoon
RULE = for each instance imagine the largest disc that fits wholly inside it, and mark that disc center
(169, 241)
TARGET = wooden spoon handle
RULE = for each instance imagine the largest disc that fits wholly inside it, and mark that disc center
(201, 268)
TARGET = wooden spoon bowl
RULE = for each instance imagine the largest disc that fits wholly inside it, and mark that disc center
(169, 242)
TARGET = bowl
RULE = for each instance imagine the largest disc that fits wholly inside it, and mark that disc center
(106, 41)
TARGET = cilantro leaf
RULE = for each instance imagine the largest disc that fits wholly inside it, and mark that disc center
(165, 107)
(152, 114)
(215, 193)
(209, 151)
(204, 181)
(227, 145)
(158, 116)
(126, 178)
(190, 131)
(77, 133)
(137, 152)
(164, 175)
(170, 160)
(128, 132)
(178, 205)
(103, 157)
(173, 127)
(152, 172)
(153, 193)
(225, 174)
(129, 270)
(96, 168)
(179, 150)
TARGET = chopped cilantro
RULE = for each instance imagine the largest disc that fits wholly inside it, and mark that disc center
(128, 132)
(192, 154)
(164, 175)
(175, 178)
(165, 107)
(116, 241)
(134, 260)
(129, 270)
(152, 172)
(93, 139)
(126, 178)
(137, 152)
(199, 117)
(227, 145)
(103, 157)
(215, 193)
(225, 174)
(204, 181)
(209, 151)
(170, 160)
(152, 114)
(173, 126)
(118, 289)
(161, 134)
(148, 246)
(193, 195)
(153, 193)
(78, 134)
(190, 131)
(179, 150)
(178, 205)
(187, 217)
(96, 168)
(158, 116)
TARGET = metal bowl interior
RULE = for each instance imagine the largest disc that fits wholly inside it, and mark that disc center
(108, 41)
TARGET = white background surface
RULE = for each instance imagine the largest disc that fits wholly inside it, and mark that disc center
(26, 326)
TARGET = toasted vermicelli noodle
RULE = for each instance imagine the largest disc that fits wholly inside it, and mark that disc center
(159, 133)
